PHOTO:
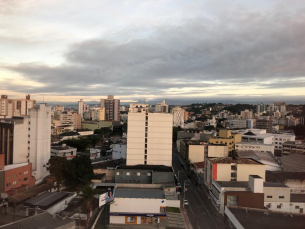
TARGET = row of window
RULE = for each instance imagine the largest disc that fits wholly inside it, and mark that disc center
(15, 175)
(128, 174)
(281, 197)
(15, 182)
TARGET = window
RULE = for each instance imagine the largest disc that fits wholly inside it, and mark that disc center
(269, 197)
(8, 177)
(281, 197)
(145, 157)
(297, 207)
(279, 206)
(117, 173)
(233, 174)
(29, 136)
(131, 219)
(8, 184)
(14, 175)
(14, 182)
(233, 167)
(28, 148)
(145, 145)
(25, 179)
(149, 174)
(138, 174)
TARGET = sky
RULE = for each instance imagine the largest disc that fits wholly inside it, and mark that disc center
(65, 50)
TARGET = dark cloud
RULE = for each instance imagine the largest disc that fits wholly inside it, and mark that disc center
(241, 49)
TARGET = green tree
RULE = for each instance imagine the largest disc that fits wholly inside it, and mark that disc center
(88, 194)
(79, 172)
(103, 131)
(56, 166)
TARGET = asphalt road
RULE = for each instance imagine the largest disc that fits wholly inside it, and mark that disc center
(201, 212)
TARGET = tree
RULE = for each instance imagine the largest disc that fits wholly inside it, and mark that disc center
(103, 131)
(209, 128)
(233, 154)
(88, 194)
(56, 166)
(79, 172)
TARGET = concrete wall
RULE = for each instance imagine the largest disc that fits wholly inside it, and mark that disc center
(135, 176)
(276, 192)
(217, 151)
(163, 177)
(223, 172)
(244, 170)
(285, 207)
(117, 219)
(133, 205)
(196, 153)
(20, 142)
(173, 203)
(255, 147)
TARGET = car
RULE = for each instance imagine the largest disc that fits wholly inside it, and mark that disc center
(178, 186)
(186, 202)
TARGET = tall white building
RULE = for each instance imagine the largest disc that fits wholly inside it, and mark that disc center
(149, 137)
(30, 139)
(161, 107)
(246, 114)
(81, 108)
(112, 108)
(178, 116)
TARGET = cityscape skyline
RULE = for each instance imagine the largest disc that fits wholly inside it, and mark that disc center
(152, 50)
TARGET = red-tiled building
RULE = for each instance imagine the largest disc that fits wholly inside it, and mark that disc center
(15, 178)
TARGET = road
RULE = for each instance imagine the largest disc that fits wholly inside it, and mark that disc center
(201, 212)
(104, 158)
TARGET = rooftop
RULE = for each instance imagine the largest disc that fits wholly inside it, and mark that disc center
(69, 134)
(279, 176)
(44, 220)
(296, 143)
(157, 168)
(297, 198)
(230, 160)
(293, 162)
(265, 219)
(235, 184)
(264, 157)
(61, 147)
(46, 199)
(99, 176)
(109, 164)
(274, 184)
(200, 164)
(142, 193)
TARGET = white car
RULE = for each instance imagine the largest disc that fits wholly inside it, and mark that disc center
(186, 202)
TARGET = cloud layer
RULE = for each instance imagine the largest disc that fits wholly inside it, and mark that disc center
(239, 49)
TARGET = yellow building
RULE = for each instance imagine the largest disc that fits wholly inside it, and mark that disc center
(227, 138)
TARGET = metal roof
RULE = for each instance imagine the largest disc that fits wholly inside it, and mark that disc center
(46, 200)
(139, 193)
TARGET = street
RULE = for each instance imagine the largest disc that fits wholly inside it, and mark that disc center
(201, 212)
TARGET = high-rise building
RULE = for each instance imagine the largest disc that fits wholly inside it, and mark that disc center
(161, 107)
(260, 108)
(81, 108)
(73, 118)
(178, 116)
(28, 139)
(246, 114)
(149, 137)
(15, 107)
(264, 124)
(112, 108)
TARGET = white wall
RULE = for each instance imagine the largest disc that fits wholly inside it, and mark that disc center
(134, 205)
(244, 170)
(217, 151)
(117, 219)
(21, 142)
(255, 147)
(196, 153)
(285, 207)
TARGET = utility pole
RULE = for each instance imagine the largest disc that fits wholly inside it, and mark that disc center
(184, 190)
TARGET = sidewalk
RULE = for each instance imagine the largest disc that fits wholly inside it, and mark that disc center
(186, 219)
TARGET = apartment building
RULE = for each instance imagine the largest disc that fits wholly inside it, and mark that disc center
(81, 108)
(15, 178)
(69, 118)
(112, 108)
(291, 147)
(226, 137)
(246, 114)
(178, 119)
(264, 124)
(149, 140)
(194, 151)
(255, 147)
(28, 139)
(229, 169)
(161, 107)
(15, 107)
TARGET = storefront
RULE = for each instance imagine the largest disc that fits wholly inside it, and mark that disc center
(137, 218)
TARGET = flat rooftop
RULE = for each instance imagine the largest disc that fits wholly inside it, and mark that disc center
(139, 193)
(279, 176)
(263, 219)
(46, 199)
(235, 184)
(61, 147)
(230, 160)
(157, 168)
(297, 198)
(274, 184)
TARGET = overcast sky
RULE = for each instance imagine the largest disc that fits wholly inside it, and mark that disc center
(64, 50)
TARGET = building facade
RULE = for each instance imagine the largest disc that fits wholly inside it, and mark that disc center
(178, 118)
(112, 108)
(81, 108)
(149, 138)
(15, 107)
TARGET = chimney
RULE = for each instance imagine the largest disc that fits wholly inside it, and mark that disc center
(256, 184)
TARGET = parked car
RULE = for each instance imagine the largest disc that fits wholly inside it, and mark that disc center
(186, 202)
(178, 186)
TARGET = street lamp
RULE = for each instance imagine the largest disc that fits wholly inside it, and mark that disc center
(184, 190)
